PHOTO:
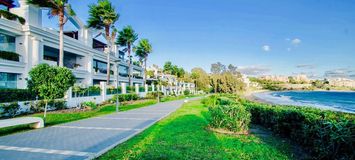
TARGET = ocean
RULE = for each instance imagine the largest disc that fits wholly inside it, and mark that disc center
(331, 100)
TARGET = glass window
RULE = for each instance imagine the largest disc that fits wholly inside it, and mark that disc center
(8, 80)
(3, 7)
(7, 43)
(123, 69)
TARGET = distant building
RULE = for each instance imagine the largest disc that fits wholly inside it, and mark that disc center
(342, 82)
(171, 80)
(301, 78)
(277, 78)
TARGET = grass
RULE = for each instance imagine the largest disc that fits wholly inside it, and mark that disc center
(183, 135)
(54, 118)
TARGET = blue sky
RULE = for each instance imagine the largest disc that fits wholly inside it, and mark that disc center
(285, 37)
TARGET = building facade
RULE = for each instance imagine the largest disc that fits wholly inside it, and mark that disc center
(23, 46)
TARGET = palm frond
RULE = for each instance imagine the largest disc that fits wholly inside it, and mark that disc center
(102, 14)
(126, 36)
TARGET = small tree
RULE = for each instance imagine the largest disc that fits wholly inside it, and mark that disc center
(50, 82)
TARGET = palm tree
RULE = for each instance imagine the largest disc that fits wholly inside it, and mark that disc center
(57, 8)
(126, 38)
(143, 49)
(103, 16)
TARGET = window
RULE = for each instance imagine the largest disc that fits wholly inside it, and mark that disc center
(7, 43)
(123, 70)
(101, 67)
(8, 80)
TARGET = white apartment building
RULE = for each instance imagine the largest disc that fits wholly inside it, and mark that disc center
(36, 44)
(342, 82)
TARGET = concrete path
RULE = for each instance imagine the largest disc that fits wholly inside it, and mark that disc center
(84, 139)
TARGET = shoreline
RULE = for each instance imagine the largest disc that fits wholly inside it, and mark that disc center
(252, 97)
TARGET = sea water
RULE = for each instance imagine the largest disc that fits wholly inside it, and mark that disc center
(331, 100)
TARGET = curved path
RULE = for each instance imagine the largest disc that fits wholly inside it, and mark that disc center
(84, 139)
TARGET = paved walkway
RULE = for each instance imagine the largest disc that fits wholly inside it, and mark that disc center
(84, 139)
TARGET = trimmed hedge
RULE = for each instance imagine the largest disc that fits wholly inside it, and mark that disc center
(327, 134)
(14, 95)
(124, 97)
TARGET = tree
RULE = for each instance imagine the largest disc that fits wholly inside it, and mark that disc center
(126, 38)
(168, 67)
(200, 78)
(225, 81)
(232, 69)
(103, 16)
(218, 68)
(143, 49)
(50, 82)
(57, 8)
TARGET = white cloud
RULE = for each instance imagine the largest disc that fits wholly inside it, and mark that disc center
(306, 66)
(296, 41)
(266, 48)
(340, 73)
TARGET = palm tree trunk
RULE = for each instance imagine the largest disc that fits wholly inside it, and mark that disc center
(108, 40)
(61, 39)
(145, 70)
(129, 65)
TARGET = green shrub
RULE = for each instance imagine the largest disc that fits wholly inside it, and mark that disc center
(12, 95)
(186, 92)
(154, 95)
(89, 104)
(234, 118)
(124, 97)
(215, 100)
(327, 134)
(130, 89)
(141, 89)
(38, 106)
(9, 110)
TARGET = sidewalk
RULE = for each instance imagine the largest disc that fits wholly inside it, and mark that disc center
(84, 139)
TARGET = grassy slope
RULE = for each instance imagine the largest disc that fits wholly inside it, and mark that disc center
(182, 135)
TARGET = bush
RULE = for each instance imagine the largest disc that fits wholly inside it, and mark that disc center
(90, 105)
(215, 100)
(154, 95)
(130, 89)
(12, 95)
(141, 89)
(124, 97)
(234, 118)
(327, 134)
(9, 110)
(186, 92)
(38, 106)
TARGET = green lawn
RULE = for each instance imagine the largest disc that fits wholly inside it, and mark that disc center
(183, 135)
